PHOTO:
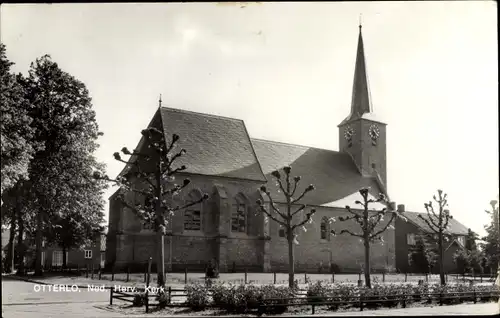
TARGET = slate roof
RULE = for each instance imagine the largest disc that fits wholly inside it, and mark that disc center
(455, 227)
(333, 173)
(215, 145)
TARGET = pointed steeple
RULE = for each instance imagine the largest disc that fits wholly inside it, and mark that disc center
(361, 99)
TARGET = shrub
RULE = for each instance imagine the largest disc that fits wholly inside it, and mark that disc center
(483, 293)
(374, 296)
(222, 295)
(236, 299)
(163, 299)
(197, 297)
(317, 293)
(139, 300)
(245, 298)
(345, 292)
(273, 296)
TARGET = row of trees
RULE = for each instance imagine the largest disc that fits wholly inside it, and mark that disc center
(152, 177)
(474, 257)
(49, 136)
(295, 216)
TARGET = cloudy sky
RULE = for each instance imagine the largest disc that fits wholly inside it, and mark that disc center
(286, 69)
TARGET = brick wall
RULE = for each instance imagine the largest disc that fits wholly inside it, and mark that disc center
(243, 250)
(343, 250)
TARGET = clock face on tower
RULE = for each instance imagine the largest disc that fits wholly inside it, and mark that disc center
(348, 133)
(374, 133)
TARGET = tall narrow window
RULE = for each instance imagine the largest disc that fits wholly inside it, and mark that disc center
(239, 215)
(324, 229)
(192, 215)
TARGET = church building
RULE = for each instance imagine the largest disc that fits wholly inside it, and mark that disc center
(223, 161)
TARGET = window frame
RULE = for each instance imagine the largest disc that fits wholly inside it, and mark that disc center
(241, 215)
(326, 230)
(194, 195)
(59, 254)
(85, 252)
(191, 211)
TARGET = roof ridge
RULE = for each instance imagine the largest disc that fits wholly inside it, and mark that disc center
(178, 110)
(253, 151)
(290, 144)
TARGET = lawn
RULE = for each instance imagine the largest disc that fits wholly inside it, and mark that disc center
(177, 280)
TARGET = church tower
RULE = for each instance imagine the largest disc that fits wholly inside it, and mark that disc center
(361, 134)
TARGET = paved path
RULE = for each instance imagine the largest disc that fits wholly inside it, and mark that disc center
(452, 310)
(23, 300)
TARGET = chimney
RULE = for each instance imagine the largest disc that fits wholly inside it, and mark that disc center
(392, 206)
(401, 207)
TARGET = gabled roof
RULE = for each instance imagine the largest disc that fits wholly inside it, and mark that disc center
(454, 241)
(455, 227)
(215, 145)
(333, 173)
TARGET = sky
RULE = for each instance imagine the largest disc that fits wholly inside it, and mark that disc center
(286, 69)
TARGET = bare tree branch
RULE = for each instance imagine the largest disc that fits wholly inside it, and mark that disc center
(273, 206)
(203, 198)
(301, 208)
(307, 219)
(263, 209)
(434, 229)
(385, 227)
(351, 233)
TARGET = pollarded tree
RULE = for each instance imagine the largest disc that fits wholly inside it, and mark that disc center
(151, 176)
(368, 222)
(285, 219)
(438, 224)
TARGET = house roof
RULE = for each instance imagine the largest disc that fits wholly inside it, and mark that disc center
(455, 227)
(215, 145)
(334, 174)
(454, 242)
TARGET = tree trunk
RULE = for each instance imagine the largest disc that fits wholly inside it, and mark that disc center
(20, 244)
(291, 267)
(367, 264)
(160, 261)
(441, 260)
(9, 266)
(38, 237)
(160, 218)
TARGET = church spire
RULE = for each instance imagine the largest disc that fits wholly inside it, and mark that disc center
(361, 100)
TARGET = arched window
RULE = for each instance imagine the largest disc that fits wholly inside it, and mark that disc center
(239, 214)
(192, 214)
(325, 229)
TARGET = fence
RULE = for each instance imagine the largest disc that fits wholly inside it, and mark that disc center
(301, 299)
(96, 272)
